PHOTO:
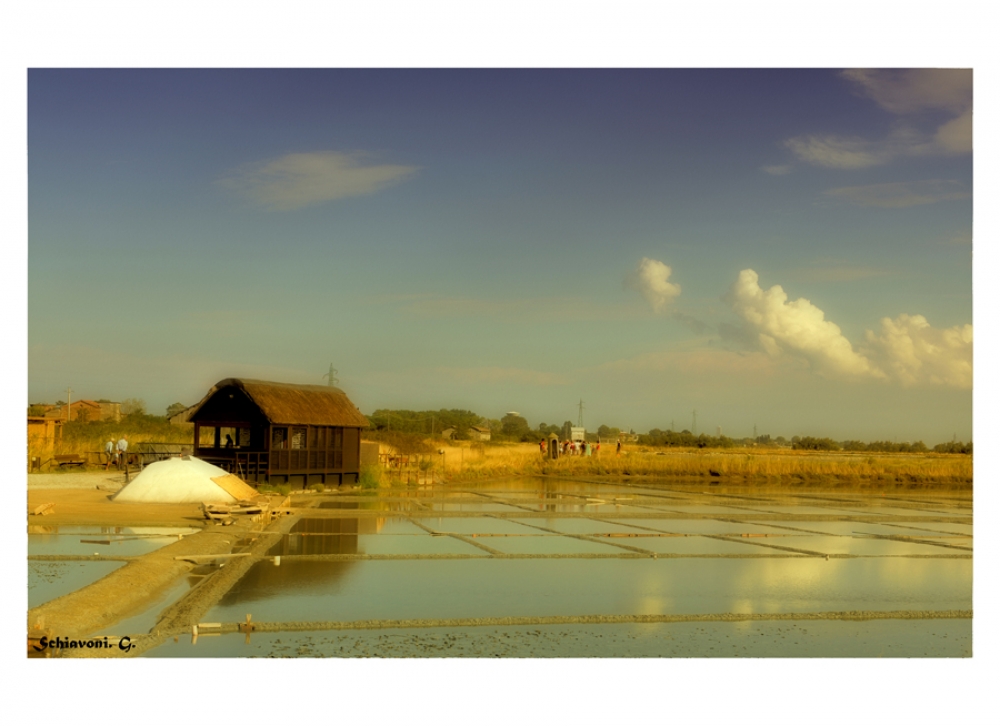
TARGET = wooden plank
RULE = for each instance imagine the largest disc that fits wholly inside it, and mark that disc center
(43, 509)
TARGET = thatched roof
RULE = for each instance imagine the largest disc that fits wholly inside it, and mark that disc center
(290, 403)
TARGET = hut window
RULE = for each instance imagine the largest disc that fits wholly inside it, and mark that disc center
(278, 437)
(206, 437)
(298, 437)
(228, 437)
(244, 438)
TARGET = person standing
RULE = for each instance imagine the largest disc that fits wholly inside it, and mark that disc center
(618, 450)
(109, 453)
(122, 448)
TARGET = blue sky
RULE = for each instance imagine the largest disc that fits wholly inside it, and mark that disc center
(513, 240)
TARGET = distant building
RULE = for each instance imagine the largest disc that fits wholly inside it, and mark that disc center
(478, 433)
(182, 417)
(448, 433)
(85, 410)
(577, 433)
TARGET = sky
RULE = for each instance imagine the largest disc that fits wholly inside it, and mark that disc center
(721, 249)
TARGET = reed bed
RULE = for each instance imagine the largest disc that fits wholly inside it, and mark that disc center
(765, 466)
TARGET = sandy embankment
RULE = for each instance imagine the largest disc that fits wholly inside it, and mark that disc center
(133, 587)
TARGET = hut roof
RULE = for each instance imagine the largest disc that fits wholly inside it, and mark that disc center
(290, 403)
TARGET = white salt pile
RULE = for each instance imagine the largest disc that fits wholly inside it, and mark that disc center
(185, 480)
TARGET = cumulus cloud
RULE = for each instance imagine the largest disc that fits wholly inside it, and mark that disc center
(650, 279)
(902, 194)
(797, 327)
(907, 350)
(294, 181)
(913, 352)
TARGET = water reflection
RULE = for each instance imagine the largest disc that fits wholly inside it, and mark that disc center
(502, 588)
(79, 540)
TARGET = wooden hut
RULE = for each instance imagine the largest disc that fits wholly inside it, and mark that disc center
(279, 432)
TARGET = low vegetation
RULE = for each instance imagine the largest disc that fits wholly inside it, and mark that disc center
(748, 465)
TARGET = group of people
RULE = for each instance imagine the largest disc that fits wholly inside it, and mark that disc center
(572, 448)
(115, 452)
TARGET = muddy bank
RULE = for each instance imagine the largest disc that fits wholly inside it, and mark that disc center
(271, 627)
(133, 587)
(187, 612)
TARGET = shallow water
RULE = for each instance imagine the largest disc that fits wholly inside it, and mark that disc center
(786, 639)
(112, 541)
(429, 589)
(484, 551)
(49, 580)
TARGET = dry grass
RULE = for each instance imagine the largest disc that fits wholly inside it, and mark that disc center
(464, 462)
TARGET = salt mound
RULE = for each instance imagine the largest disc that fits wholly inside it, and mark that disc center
(185, 480)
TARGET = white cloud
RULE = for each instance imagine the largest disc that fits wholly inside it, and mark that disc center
(955, 137)
(902, 194)
(913, 352)
(294, 181)
(915, 89)
(650, 278)
(797, 327)
(777, 170)
(840, 152)
(906, 350)
(900, 92)
(837, 152)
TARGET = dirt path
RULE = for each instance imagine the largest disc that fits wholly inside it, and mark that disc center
(94, 506)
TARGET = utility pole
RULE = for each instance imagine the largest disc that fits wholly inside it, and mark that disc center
(580, 420)
(332, 376)
(69, 401)
(672, 428)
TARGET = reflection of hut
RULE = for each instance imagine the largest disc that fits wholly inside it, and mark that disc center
(279, 432)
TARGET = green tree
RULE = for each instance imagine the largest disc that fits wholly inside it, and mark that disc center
(515, 428)
(175, 408)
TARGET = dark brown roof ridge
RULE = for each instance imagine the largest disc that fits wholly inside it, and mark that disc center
(297, 403)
